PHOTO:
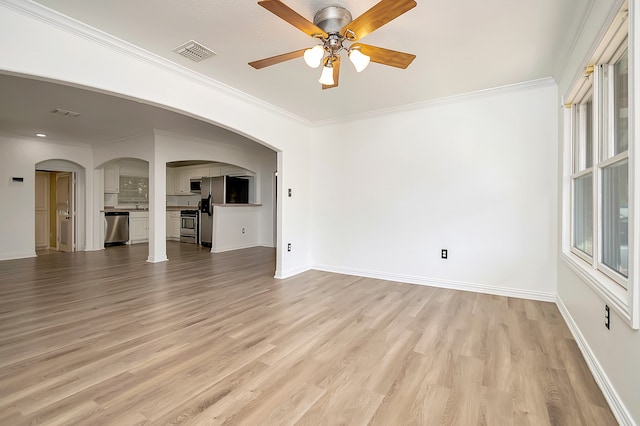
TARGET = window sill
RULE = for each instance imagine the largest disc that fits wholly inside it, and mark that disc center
(613, 294)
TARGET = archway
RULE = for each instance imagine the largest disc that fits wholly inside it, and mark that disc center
(60, 206)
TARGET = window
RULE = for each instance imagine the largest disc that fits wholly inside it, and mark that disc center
(599, 138)
(582, 178)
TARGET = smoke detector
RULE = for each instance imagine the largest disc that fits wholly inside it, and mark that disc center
(194, 51)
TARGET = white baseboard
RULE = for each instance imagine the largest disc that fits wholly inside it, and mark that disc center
(281, 275)
(231, 248)
(617, 406)
(435, 282)
(153, 259)
(13, 256)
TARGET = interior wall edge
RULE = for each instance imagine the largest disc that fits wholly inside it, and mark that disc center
(600, 376)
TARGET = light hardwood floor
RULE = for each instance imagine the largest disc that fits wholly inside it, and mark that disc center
(106, 338)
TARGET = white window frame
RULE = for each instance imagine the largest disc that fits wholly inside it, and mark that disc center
(579, 170)
(622, 294)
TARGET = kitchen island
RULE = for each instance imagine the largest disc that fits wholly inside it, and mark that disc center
(235, 226)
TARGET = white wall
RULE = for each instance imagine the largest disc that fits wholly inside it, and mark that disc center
(56, 42)
(612, 354)
(474, 175)
(18, 157)
(228, 223)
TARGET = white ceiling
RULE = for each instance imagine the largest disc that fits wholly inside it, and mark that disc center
(461, 46)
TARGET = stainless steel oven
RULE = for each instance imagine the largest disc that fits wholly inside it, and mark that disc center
(189, 226)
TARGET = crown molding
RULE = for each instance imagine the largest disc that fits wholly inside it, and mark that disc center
(66, 23)
(463, 97)
(604, 26)
(563, 61)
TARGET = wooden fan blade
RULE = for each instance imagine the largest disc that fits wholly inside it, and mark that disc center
(386, 56)
(291, 16)
(383, 12)
(267, 62)
(336, 75)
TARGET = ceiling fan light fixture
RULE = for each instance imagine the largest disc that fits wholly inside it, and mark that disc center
(327, 74)
(359, 59)
(313, 56)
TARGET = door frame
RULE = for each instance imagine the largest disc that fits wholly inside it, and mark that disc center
(71, 211)
(79, 175)
(43, 210)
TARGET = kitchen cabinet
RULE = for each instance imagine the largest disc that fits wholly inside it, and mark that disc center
(198, 172)
(182, 179)
(138, 227)
(173, 226)
(183, 176)
(111, 179)
(171, 181)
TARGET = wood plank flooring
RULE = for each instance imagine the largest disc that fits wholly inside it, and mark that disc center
(96, 338)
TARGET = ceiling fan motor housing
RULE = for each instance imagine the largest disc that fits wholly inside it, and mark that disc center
(332, 19)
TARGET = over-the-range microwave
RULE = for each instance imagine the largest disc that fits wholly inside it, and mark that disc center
(194, 185)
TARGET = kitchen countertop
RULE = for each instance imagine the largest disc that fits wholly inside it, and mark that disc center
(171, 208)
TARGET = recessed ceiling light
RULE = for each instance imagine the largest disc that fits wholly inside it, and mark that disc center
(41, 135)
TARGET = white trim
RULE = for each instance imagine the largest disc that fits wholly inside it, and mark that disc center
(152, 259)
(613, 12)
(14, 256)
(450, 284)
(634, 160)
(615, 403)
(606, 283)
(510, 88)
(232, 248)
(613, 294)
(290, 272)
(563, 61)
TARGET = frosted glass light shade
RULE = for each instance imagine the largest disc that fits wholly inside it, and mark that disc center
(327, 76)
(313, 56)
(359, 59)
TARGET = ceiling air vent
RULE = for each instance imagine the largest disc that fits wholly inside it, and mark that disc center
(194, 51)
(65, 113)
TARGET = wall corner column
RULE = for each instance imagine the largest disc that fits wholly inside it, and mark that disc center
(157, 210)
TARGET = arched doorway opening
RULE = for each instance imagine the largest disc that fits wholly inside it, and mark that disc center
(59, 206)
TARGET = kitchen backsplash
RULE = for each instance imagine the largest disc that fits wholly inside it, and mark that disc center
(183, 200)
(111, 200)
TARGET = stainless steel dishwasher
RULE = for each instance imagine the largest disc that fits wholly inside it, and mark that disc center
(116, 228)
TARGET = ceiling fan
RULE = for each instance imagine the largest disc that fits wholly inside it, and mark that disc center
(333, 26)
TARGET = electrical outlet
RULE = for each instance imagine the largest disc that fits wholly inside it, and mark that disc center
(289, 192)
(607, 317)
(444, 253)
(289, 247)
(243, 230)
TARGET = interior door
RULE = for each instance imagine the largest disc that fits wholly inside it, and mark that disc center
(65, 211)
(42, 210)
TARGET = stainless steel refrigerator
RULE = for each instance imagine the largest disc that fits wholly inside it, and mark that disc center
(211, 192)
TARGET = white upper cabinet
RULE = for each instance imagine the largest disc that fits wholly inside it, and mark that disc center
(182, 179)
(171, 181)
(111, 179)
